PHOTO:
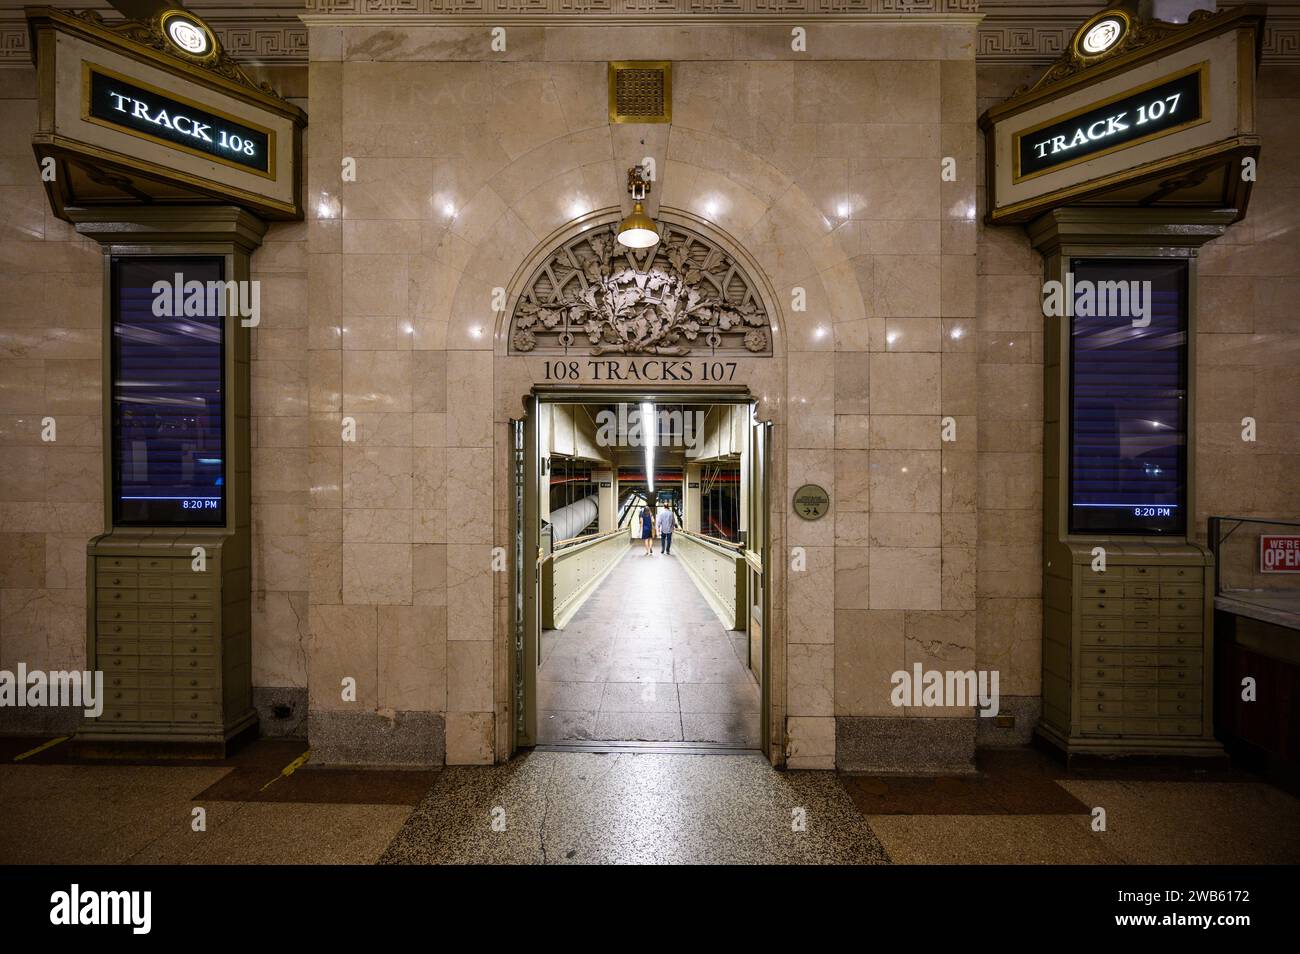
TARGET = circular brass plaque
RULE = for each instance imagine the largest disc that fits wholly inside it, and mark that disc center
(811, 502)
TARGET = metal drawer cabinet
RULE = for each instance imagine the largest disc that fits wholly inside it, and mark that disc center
(169, 639)
(1138, 645)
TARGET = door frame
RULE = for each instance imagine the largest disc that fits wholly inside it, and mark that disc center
(524, 645)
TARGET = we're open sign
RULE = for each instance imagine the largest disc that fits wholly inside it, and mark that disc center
(1279, 553)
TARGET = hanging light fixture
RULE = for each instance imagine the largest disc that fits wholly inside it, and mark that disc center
(638, 229)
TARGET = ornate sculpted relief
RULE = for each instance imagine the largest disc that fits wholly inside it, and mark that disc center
(683, 296)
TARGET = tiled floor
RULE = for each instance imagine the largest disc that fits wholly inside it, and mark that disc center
(645, 660)
(573, 807)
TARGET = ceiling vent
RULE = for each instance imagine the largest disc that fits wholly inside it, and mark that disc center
(640, 92)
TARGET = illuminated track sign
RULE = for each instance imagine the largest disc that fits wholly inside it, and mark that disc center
(148, 113)
(1158, 110)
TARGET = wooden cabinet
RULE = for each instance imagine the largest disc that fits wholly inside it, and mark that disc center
(172, 638)
(1127, 661)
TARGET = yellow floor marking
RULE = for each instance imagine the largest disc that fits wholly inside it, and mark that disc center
(41, 748)
(289, 769)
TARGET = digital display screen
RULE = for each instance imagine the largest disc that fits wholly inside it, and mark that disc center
(149, 113)
(1128, 377)
(168, 395)
(1133, 118)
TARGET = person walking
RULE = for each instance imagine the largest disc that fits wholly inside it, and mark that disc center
(647, 528)
(665, 522)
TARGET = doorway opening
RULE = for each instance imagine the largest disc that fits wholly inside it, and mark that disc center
(640, 540)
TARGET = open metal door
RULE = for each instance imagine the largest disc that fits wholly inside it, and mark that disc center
(756, 563)
(523, 578)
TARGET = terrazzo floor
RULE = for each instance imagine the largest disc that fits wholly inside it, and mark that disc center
(646, 660)
(263, 805)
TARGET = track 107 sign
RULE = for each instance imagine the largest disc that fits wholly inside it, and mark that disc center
(1157, 110)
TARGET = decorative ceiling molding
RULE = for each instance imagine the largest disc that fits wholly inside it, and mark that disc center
(1025, 33)
(626, 8)
(261, 34)
(1013, 32)
(684, 295)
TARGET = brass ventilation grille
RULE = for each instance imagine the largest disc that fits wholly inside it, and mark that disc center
(640, 92)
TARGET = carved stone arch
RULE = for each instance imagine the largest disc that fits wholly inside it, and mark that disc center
(693, 293)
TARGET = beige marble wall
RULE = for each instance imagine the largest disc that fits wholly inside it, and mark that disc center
(1009, 343)
(1248, 346)
(280, 492)
(51, 499)
(827, 173)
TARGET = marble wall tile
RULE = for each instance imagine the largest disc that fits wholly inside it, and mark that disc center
(905, 481)
(412, 653)
(811, 679)
(905, 578)
(469, 675)
(811, 595)
(905, 383)
(869, 648)
(469, 593)
(376, 573)
(470, 738)
(852, 583)
(344, 644)
(281, 638)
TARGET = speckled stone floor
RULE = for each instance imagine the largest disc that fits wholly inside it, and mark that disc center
(264, 806)
(566, 807)
(646, 660)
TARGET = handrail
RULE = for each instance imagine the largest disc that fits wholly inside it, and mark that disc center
(716, 541)
(585, 538)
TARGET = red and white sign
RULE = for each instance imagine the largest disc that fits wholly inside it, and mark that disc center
(1279, 554)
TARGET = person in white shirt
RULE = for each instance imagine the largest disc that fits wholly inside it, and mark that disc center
(664, 521)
